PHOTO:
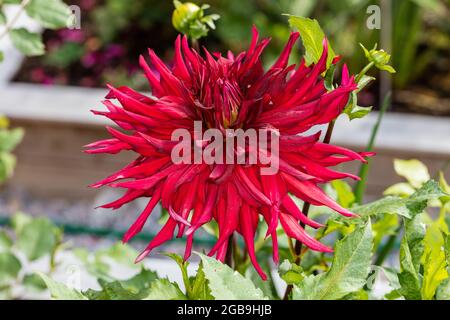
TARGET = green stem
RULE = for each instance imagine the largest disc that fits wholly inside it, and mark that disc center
(360, 186)
(388, 246)
(364, 71)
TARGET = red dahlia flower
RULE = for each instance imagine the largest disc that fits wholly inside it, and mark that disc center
(227, 92)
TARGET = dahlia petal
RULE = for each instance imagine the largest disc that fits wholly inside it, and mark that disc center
(290, 207)
(164, 235)
(140, 221)
(294, 230)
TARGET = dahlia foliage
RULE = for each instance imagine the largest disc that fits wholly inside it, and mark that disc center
(232, 91)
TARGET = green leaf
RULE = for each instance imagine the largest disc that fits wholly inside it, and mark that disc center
(412, 170)
(34, 282)
(9, 139)
(312, 38)
(2, 56)
(7, 165)
(38, 238)
(9, 267)
(386, 225)
(345, 196)
(5, 241)
(19, 220)
(401, 189)
(434, 261)
(200, 289)
(141, 281)
(29, 43)
(358, 112)
(418, 201)
(443, 291)
(52, 14)
(227, 284)
(348, 272)
(291, 273)
(392, 205)
(120, 253)
(411, 251)
(163, 289)
(113, 291)
(60, 291)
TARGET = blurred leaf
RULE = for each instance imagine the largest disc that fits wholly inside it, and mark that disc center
(9, 139)
(412, 170)
(65, 55)
(29, 43)
(434, 261)
(348, 272)
(2, 57)
(38, 238)
(52, 14)
(60, 291)
(267, 287)
(345, 196)
(5, 241)
(443, 291)
(401, 189)
(163, 289)
(382, 227)
(312, 38)
(19, 220)
(9, 267)
(7, 165)
(120, 253)
(34, 282)
(227, 284)
(411, 251)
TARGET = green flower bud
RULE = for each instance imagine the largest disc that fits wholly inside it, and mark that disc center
(380, 58)
(189, 19)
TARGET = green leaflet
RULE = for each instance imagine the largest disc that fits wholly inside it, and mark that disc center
(227, 284)
(60, 291)
(312, 38)
(9, 268)
(163, 289)
(29, 43)
(38, 237)
(348, 272)
(52, 14)
(412, 170)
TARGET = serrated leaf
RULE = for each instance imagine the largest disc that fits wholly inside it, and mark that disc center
(163, 289)
(411, 251)
(52, 14)
(227, 284)
(412, 170)
(9, 267)
(348, 272)
(60, 291)
(358, 112)
(312, 38)
(120, 253)
(29, 43)
(392, 205)
(113, 291)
